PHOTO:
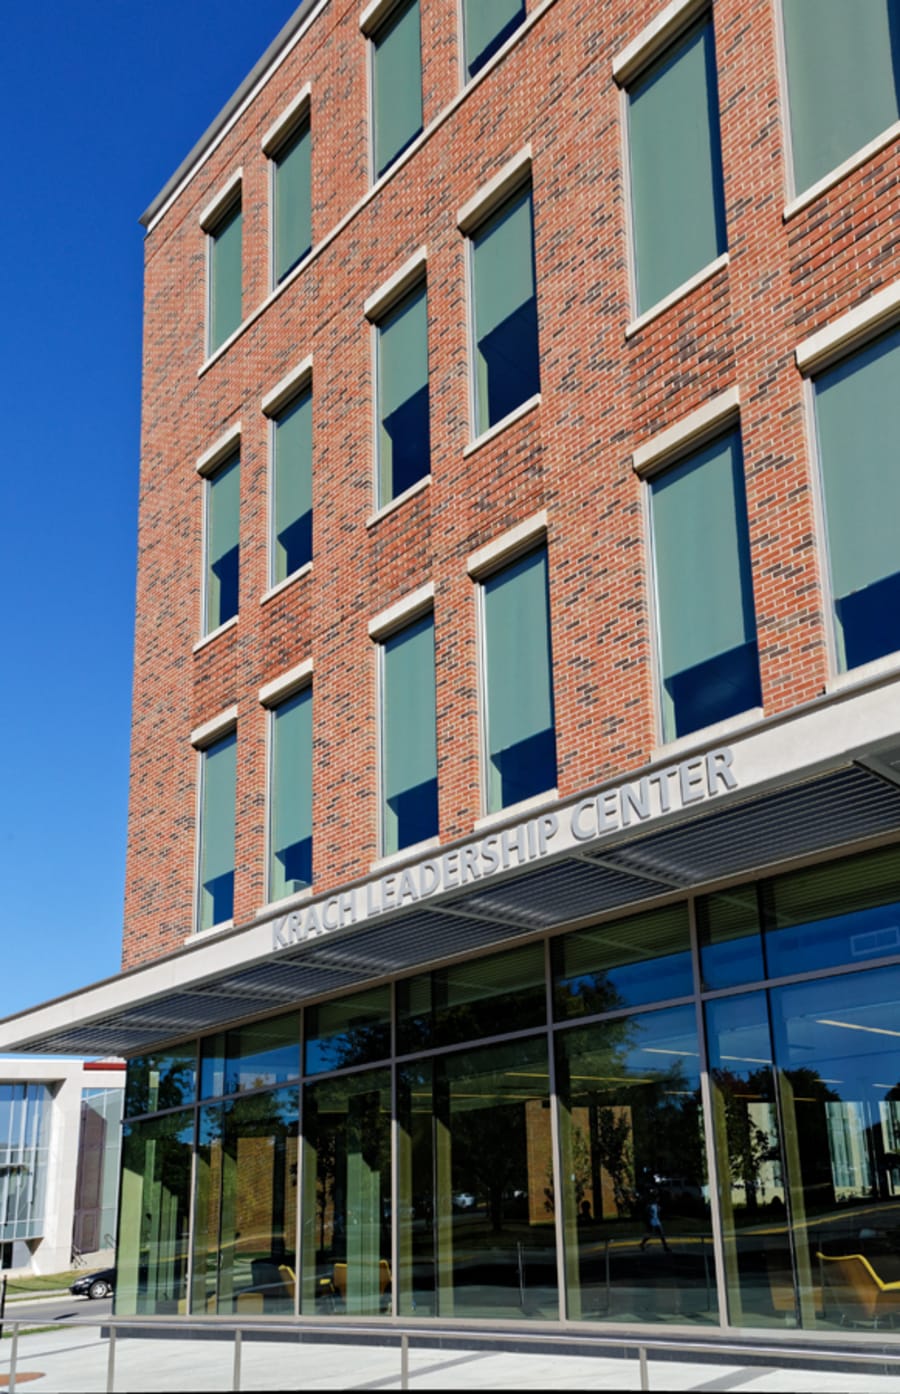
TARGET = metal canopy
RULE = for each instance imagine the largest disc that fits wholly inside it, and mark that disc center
(834, 810)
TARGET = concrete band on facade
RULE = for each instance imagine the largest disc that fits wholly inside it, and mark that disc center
(703, 803)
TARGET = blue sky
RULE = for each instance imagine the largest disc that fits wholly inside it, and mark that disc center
(100, 101)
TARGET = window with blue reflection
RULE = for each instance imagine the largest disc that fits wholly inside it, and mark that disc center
(844, 912)
(507, 360)
(708, 658)
(623, 964)
(256, 1056)
(857, 426)
(487, 25)
(728, 929)
(837, 1048)
(349, 1031)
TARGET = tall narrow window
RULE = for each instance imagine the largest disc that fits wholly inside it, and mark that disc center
(290, 862)
(404, 445)
(843, 70)
(292, 487)
(396, 84)
(507, 366)
(858, 426)
(217, 832)
(225, 239)
(518, 682)
(488, 24)
(677, 204)
(709, 667)
(408, 742)
(292, 200)
(222, 544)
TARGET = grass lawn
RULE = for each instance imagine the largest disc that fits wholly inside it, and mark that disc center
(45, 1282)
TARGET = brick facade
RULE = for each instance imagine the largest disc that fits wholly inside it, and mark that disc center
(604, 392)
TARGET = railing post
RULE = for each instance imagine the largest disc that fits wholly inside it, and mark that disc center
(14, 1351)
(645, 1376)
(404, 1361)
(236, 1376)
(111, 1361)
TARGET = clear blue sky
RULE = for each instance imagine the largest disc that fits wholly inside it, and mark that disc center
(100, 102)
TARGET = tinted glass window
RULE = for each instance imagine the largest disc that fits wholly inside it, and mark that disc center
(250, 1057)
(858, 426)
(507, 365)
(165, 1079)
(348, 1031)
(844, 912)
(409, 741)
(644, 959)
(678, 208)
(707, 633)
(728, 928)
(505, 992)
(404, 439)
(518, 685)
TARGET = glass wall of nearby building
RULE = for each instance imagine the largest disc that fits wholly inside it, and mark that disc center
(687, 1115)
(97, 1177)
(24, 1148)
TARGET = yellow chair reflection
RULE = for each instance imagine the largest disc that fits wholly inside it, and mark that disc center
(338, 1281)
(860, 1295)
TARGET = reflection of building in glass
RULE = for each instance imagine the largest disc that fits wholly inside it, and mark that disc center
(847, 1147)
(60, 1139)
(513, 897)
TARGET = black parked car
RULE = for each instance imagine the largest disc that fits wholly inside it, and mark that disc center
(100, 1284)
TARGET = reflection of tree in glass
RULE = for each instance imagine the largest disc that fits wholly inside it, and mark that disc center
(491, 1144)
(645, 1122)
(615, 1152)
(360, 1043)
(750, 1145)
(752, 1135)
(585, 994)
(157, 1082)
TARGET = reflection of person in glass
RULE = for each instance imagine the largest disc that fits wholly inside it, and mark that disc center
(654, 1223)
(585, 1217)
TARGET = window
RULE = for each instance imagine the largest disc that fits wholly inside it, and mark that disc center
(858, 426)
(217, 807)
(292, 200)
(396, 84)
(507, 367)
(487, 25)
(409, 797)
(404, 445)
(520, 738)
(222, 544)
(843, 70)
(292, 487)
(677, 204)
(225, 275)
(290, 834)
(708, 661)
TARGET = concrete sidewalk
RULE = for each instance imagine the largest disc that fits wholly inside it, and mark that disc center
(73, 1359)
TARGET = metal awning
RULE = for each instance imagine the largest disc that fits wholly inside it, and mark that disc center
(738, 835)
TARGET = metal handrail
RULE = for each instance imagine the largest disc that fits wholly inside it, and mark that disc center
(384, 1331)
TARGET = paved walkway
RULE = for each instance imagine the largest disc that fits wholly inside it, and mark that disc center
(74, 1360)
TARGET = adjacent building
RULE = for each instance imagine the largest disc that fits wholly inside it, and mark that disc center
(60, 1136)
(513, 901)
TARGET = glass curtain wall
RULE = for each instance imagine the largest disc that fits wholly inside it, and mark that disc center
(24, 1150)
(475, 1160)
(552, 1130)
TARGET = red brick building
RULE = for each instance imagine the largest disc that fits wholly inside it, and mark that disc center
(516, 731)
